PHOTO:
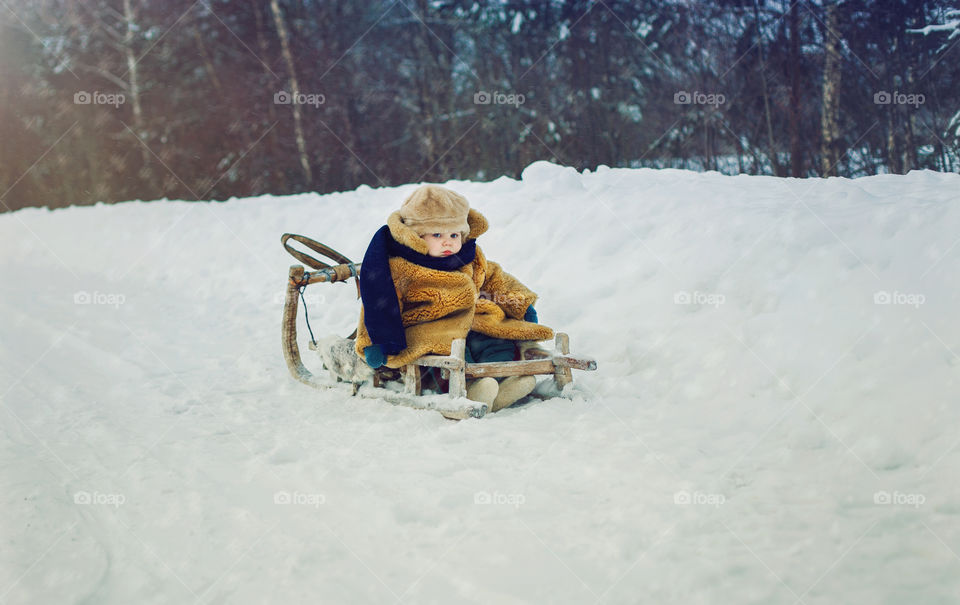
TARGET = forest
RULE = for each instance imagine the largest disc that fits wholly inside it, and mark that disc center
(114, 100)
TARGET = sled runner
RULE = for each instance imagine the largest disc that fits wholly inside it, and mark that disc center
(400, 386)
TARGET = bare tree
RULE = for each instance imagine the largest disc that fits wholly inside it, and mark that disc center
(796, 150)
(294, 91)
(830, 105)
(774, 160)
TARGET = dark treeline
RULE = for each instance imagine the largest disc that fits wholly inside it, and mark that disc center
(109, 100)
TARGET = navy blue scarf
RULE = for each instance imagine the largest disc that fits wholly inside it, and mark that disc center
(381, 308)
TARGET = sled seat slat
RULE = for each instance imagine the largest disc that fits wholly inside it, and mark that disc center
(528, 367)
(440, 361)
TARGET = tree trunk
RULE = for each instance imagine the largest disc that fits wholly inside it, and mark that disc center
(272, 145)
(910, 159)
(796, 153)
(294, 91)
(133, 82)
(207, 61)
(894, 150)
(830, 106)
(774, 160)
(894, 163)
(133, 88)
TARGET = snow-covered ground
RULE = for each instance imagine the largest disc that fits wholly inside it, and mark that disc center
(774, 419)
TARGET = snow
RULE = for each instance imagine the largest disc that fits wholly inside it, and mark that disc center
(951, 26)
(517, 22)
(773, 420)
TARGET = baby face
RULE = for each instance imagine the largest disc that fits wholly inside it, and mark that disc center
(443, 244)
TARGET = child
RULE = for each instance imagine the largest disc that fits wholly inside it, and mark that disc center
(424, 282)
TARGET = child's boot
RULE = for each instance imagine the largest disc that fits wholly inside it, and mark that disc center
(529, 349)
(512, 390)
(483, 390)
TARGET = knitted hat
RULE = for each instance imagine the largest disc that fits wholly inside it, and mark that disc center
(435, 209)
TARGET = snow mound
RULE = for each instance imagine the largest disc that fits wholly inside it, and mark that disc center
(547, 177)
(774, 415)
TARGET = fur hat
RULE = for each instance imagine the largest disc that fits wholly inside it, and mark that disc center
(435, 209)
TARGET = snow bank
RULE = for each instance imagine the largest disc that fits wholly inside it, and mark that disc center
(774, 418)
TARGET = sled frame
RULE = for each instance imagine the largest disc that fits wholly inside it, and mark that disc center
(453, 367)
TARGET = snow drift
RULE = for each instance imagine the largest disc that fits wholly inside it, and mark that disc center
(774, 418)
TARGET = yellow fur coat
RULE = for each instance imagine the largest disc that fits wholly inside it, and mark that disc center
(438, 306)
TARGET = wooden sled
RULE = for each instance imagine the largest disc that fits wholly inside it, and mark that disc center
(453, 367)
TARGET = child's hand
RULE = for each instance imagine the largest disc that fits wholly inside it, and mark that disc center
(374, 356)
(530, 315)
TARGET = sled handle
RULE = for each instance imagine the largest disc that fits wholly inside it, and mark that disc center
(313, 245)
(331, 274)
(291, 352)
